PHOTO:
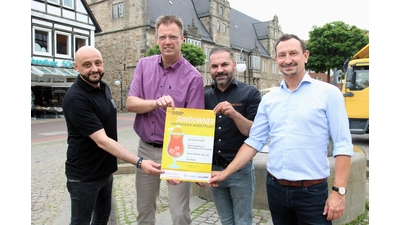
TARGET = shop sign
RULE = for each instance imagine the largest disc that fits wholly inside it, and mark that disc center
(46, 62)
(67, 63)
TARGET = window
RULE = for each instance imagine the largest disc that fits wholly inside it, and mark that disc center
(264, 67)
(255, 62)
(42, 41)
(58, 79)
(339, 79)
(68, 3)
(71, 80)
(118, 10)
(193, 42)
(220, 10)
(274, 68)
(223, 27)
(63, 46)
(80, 41)
(217, 25)
(44, 79)
(54, 1)
(238, 59)
(319, 78)
(361, 79)
(207, 53)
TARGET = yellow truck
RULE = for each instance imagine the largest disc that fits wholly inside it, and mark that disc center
(355, 89)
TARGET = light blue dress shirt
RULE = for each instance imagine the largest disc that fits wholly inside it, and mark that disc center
(297, 125)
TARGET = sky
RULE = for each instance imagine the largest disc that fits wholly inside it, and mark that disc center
(298, 17)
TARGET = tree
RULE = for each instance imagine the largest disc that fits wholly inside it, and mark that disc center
(332, 44)
(192, 53)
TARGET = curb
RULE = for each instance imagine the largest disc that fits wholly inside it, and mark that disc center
(125, 168)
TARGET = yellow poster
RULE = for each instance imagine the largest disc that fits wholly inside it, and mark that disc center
(188, 144)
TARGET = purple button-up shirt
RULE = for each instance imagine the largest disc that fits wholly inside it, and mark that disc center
(181, 81)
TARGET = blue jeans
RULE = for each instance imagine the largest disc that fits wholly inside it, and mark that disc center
(297, 205)
(87, 198)
(233, 198)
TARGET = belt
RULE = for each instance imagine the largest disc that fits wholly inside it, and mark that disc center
(83, 181)
(155, 145)
(298, 183)
(221, 162)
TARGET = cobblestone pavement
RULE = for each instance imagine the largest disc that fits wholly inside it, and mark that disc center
(48, 189)
(125, 205)
(206, 214)
(49, 194)
(47, 180)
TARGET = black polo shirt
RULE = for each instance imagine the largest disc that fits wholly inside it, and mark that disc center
(245, 99)
(87, 110)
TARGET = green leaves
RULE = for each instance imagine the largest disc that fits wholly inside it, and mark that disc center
(192, 53)
(333, 43)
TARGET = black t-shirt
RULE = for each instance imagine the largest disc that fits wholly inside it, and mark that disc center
(87, 110)
(245, 99)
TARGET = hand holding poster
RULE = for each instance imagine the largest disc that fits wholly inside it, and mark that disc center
(188, 144)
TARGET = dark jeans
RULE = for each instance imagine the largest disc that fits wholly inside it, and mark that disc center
(92, 197)
(297, 205)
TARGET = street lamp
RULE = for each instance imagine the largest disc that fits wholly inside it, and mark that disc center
(241, 66)
(119, 83)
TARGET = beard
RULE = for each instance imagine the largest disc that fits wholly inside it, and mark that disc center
(92, 81)
(223, 82)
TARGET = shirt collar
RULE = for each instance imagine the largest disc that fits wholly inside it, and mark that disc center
(175, 65)
(85, 86)
(306, 79)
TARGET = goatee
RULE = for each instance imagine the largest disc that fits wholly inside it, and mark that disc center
(86, 78)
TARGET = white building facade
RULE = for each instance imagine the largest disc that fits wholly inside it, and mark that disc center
(58, 29)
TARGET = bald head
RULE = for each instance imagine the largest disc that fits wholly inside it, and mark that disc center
(86, 51)
(89, 63)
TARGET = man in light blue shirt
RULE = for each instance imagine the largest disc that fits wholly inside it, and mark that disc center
(297, 119)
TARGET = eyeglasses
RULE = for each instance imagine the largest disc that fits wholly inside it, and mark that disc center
(171, 38)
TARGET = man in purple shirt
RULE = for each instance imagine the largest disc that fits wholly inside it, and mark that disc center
(161, 81)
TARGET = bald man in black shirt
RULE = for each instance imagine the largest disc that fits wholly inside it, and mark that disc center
(91, 118)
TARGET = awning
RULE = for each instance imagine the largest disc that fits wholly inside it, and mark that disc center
(53, 72)
(35, 72)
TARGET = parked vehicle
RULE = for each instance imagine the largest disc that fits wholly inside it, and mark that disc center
(355, 89)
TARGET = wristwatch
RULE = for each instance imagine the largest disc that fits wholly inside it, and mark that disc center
(340, 190)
